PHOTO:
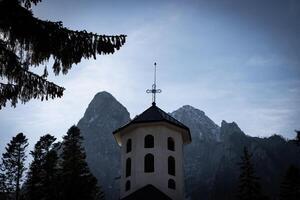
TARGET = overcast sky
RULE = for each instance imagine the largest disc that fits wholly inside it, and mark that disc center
(236, 60)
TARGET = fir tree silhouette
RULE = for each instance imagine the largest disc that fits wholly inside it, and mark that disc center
(77, 181)
(13, 165)
(249, 187)
(42, 174)
(27, 41)
(290, 186)
(297, 137)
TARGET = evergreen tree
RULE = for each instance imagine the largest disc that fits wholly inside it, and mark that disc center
(77, 181)
(51, 181)
(298, 137)
(42, 169)
(249, 187)
(3, 190)
(13, 164)
(26, 41)
(290, 186)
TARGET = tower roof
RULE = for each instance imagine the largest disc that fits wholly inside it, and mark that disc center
(155, 114)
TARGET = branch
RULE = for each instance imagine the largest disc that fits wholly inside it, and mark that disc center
(38, 39)
(27, 84)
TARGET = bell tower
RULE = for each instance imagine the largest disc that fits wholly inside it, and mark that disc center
(152, 154)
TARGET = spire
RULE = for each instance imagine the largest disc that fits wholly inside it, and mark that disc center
(154, 90)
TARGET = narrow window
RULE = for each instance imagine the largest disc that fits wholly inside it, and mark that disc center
(128, 167)
(171, 165)
(171, 184)
(149, 163)
(127, 186)
(128, 146)
(171, 144)
(149, 141)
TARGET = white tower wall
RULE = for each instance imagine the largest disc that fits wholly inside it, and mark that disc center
(159, 178)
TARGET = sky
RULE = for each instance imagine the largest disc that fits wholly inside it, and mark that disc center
(237, 60)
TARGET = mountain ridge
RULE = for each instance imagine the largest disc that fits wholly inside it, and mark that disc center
(210, 161)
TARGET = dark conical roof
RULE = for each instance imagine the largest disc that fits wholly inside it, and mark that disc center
(154, 114)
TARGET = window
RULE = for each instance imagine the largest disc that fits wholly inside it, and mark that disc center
(171, 144)
(149, 163)
(127, 186)
(171, 165)
(128, 146)
(149, 141)
(128, 167)
(171, 184)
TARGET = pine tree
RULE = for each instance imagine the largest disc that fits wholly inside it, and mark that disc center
(13, 164)
(26, 41)
(249, 187)
(3, 189)
(42, 169)
(77, 181)
(298, 137)
(51, 181)
(290, 186)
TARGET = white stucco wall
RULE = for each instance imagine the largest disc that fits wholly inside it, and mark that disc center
(159, 178)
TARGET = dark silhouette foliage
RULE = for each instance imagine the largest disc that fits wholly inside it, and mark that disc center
(77, 181)
(13, 166)
(3, 189)
(26, 41)
(290, 186)
(249, 187)
(42, 177)
(298, 137)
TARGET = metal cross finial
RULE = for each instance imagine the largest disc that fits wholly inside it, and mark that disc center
(154, 90)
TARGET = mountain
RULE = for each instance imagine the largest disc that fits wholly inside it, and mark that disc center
(210, 162)
(103, 115)
(202, 127)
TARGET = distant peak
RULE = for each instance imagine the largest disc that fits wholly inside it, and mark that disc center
(103, 94)
(188, 107)
(229, 128)
(191, 108)
(233, 124)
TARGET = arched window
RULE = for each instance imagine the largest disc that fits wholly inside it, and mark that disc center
(149, 141)
(127, 186)
(149, 163)
(128, 146)
(171, 144)
(171, 165)
(171, 184)
(128, 167)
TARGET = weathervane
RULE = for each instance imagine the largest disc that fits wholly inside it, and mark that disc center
(154, 90)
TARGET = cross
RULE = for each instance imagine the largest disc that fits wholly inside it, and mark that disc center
(154, 90)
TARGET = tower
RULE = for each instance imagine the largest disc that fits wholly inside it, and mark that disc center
(152, 155)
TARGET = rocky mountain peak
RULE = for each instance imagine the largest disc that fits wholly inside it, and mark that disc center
(230, 129)
(103, 115)
(191, 109)
(201, 126)
(210, 161)
(106, 107)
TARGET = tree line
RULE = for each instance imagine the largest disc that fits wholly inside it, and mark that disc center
(249, 187)
(58, 171)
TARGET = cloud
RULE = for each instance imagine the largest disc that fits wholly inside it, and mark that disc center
(205, 57)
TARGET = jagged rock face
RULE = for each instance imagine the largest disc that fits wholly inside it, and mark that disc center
(205, 134)
(103, 115)
(201, 127)
(220, 170)
(210, 162)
